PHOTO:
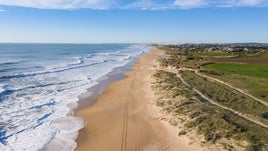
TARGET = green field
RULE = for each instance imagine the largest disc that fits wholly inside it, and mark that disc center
(264, 54)
(212, 54)
(254, 70)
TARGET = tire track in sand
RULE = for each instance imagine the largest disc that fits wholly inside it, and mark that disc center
(125, 117)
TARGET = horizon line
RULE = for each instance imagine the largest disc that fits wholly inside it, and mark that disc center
(150, 43)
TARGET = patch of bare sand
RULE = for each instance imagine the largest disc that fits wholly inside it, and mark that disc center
(125, 118)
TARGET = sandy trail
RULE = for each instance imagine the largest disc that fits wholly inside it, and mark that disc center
(125, 118)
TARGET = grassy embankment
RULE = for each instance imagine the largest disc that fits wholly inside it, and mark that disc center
(214, 123)
(226, 96)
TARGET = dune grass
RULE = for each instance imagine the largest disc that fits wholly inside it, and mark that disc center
(257, 87)
(217, 125)
(226, 96)
(210, 121)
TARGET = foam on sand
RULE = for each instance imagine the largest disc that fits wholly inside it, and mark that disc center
(65, 138)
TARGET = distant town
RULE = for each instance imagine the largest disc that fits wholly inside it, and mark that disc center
(233, 48)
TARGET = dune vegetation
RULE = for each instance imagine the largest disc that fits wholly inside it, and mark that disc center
(215, 124)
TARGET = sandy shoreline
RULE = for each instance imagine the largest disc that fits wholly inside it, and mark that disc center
(124, 117)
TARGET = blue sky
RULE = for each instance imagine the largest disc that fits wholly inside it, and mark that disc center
(133, 21)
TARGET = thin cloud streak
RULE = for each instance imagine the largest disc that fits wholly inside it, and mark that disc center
(59, 4)
(242, 3)
(190, 3)
(219, 3)
(134, 4)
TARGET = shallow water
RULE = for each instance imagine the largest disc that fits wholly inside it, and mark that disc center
(40, 85)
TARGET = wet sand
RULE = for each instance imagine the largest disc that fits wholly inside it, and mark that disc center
(125, 118)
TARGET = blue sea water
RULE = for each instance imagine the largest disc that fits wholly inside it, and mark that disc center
(40, 85)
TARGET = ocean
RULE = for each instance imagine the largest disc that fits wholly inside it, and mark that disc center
(40, 85)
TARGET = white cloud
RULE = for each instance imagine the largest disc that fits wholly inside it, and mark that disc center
(59, 4)
(132, 4)
(219, 3)
(189, 3)
(250, 2)
(243, 3)
(149, 4)
(142, 4)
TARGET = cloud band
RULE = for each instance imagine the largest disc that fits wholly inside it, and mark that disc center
(132, 4)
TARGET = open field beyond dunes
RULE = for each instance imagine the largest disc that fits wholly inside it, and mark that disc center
(253, 60)
(221, 95)
(255, 70)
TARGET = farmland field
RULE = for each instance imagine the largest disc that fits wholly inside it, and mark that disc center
(262, 59)
(254, 70)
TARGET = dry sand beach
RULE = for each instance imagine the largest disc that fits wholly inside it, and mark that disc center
(125, 117)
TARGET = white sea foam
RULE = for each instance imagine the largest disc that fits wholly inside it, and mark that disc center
(65, 138)
(1, 88)
(36, 109)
